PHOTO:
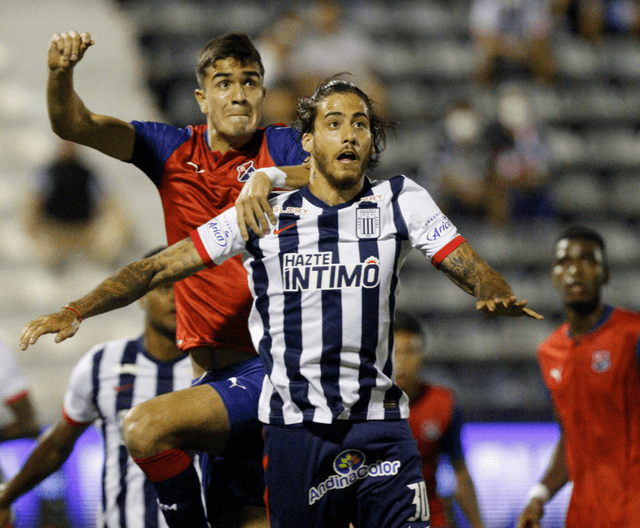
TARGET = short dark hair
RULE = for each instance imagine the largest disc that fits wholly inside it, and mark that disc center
(237, 46)
(307, 111)
(583, 233)
(154, 251)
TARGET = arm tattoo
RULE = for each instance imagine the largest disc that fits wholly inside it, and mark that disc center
(471, 273)
(135, 280)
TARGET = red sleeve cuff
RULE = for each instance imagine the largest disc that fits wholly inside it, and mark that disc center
(16, 397)
(71, 421)
(197, 242)
(446, 250)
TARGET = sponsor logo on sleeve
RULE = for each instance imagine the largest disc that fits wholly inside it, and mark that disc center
(219, 231)
(440, 230)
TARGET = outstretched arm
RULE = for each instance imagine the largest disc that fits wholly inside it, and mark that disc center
(555, 477)
(470, 272)
(466, 494)
(24, 424)
(70, 118)
(254, 211)
(54, 447)
(121, 289)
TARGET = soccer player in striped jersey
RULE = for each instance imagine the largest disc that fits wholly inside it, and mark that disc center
(199, 172)
(107, 381)
(591, 366)
(435, 422)
(338, 447)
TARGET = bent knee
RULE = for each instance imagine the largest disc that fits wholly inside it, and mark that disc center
(144, 433)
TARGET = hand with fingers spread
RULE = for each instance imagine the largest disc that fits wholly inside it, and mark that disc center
(64, 323)
(507, 307)
(67, 49)
(253, 208)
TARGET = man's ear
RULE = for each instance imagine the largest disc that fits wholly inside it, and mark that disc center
(307, 142)
(202, 100)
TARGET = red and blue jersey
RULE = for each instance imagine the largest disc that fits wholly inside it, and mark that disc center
(436, 425)
(594, 381)
(195, 185)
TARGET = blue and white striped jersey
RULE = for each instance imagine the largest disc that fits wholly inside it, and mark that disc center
(109, 380)
(324, 283)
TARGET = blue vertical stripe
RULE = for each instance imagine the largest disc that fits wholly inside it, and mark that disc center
(370, 300)
(331, 318)
(394, 394)
(124, 400)
(95, 383)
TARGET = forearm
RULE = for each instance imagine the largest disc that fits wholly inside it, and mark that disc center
(467, 499)
(66, 109)
(471, 273)
(297, 175)
(557, 473)
(45, 459)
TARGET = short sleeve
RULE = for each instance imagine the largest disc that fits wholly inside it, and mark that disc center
(429, 230)
(218, 239)
(451, 442)
(78, 400)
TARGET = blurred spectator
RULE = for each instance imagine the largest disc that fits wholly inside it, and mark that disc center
(518, 172)
(69, 212)
(592, 19)
(333, 43)
(512, 38)
(435, 423)
(276, 46)
(462, 164)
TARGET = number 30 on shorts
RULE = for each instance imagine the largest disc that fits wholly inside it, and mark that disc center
(421, 502)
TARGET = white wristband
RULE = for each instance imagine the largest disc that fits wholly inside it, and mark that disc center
(539, 491)
(276, 176)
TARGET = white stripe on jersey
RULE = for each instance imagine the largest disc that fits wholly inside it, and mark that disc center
(324, 283)
(110, 379)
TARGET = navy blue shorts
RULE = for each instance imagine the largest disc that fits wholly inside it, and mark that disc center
(236, 478)
(367, 473)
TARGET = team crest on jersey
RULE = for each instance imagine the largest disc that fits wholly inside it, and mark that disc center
(349, 467)
(368, 222)
(601, 361)
(245, 171)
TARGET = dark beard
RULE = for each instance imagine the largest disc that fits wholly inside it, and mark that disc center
(343, 184)
(583, 308)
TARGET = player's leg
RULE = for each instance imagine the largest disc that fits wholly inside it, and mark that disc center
(303, 488)
(159, 432)
(217, 417)
(393, 494)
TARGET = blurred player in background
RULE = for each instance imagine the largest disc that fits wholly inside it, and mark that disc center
(590, 365)
(435, 422)
(110, 379)
(199, 172)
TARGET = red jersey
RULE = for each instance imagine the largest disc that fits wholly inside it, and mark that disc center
(436, 426)
(594, 381)
(195, 185)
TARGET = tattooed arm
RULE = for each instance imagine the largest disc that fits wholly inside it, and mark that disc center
(471, 273)
(125, 286)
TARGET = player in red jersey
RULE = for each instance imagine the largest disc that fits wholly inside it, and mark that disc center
(435, 423)
(199, 172)
(590, 366)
